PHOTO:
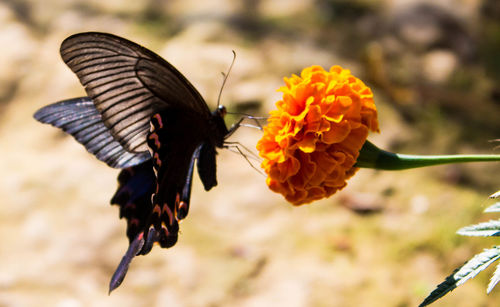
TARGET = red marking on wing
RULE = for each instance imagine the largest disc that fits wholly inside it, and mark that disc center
(155, 138)
(158, 120)
(167, 210)
(157, 210)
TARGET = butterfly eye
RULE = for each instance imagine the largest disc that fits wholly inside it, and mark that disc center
(221, 111)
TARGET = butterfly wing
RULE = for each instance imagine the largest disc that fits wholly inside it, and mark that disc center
(128, 84)
(135, 186)
(79, 118)
(174, 139)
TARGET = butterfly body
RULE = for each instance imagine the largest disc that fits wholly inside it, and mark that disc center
(145, 117)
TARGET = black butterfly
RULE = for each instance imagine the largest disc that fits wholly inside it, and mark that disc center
(144, 116)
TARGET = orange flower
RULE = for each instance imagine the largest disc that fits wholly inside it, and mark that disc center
(312, 140)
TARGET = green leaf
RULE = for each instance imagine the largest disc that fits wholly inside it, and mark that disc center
(495, 278)
(486, 229)
(493, 208)
(469, 270)
(478, 263)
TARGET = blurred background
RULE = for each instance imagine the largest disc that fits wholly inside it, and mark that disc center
(387, 239)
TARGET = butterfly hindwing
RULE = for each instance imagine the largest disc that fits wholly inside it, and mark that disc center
(135, 187)
(80, 118)
(174, 138)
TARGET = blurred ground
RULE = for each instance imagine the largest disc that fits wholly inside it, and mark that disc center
(435, 72)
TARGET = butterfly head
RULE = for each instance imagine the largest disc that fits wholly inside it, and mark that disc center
(221, 111)
(218, 126)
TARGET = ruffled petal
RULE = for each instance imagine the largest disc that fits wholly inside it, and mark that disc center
(313, 138)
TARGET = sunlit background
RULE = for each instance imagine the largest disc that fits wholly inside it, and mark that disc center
(386, 240)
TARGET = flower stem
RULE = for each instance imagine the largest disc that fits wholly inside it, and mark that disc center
(371, 156)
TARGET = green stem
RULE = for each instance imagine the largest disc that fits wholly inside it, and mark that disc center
(373, 157)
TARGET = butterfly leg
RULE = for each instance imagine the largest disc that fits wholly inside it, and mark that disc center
(234, 127)
(239, 123)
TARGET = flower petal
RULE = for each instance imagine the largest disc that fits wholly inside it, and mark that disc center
(312, 140)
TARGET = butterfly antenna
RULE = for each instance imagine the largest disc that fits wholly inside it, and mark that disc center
(226, 75)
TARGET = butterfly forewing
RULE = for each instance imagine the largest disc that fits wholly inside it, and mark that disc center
(128, 84)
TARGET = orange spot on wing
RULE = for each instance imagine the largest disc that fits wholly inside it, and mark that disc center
(156, 139)
(158, 119)
(157, 210)
(167, 210)
(134, 222)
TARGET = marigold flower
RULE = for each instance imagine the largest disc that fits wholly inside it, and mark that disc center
(313, 139)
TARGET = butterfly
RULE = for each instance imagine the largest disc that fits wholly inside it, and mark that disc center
(144, 117)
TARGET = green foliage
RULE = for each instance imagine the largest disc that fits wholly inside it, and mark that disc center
(486, 229)
(478, 263)
(494, 208)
